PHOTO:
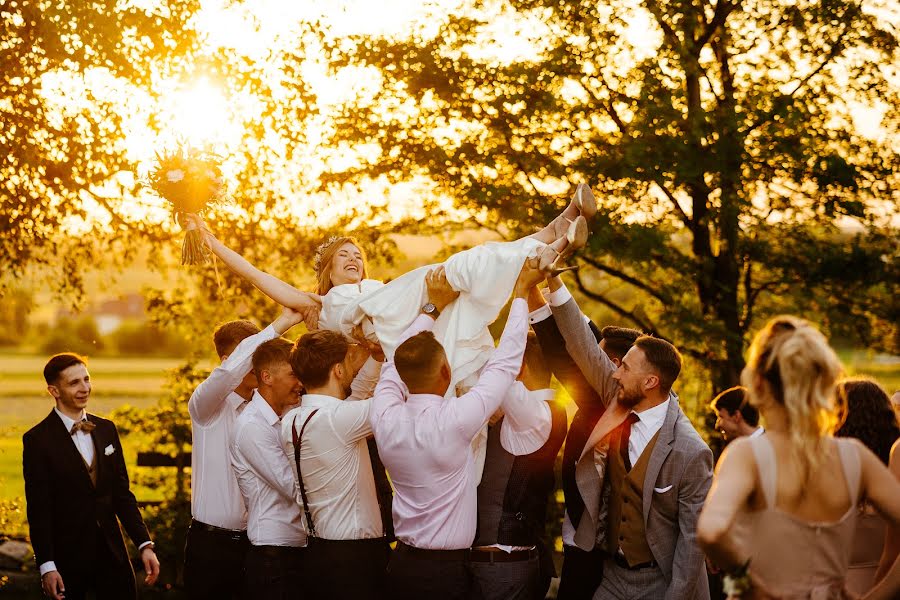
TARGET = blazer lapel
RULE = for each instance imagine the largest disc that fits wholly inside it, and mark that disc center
(98, 447)
(69, 450)
(660, 452)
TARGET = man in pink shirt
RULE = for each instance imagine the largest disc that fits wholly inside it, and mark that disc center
(425, 442)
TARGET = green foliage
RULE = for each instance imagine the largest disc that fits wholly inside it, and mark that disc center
(141, 338)
(79, 335)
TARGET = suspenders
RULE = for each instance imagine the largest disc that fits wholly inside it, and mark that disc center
(311, 529)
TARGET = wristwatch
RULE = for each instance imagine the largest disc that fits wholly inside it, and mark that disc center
(431, 310)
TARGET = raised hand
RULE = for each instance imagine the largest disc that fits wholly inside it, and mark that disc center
(529, 277)
(287, 319)
(440, 292)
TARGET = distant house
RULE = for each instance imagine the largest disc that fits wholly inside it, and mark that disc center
(109, 314)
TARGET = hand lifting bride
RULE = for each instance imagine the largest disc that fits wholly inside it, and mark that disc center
(484, 275)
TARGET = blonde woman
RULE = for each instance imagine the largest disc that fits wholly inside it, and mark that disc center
(786, 502)
(355, 305)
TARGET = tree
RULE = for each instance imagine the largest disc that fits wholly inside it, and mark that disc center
(62, 133)
(721, 139)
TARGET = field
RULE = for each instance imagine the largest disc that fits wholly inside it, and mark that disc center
(139, 382)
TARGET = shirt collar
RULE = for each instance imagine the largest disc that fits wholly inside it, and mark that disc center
(67, 421)
(235, 400)
(656, 415)
(759, 431)
(318, 401)
(264, 409)
(424, 399)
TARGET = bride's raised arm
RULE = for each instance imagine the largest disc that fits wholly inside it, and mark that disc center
(283, 293)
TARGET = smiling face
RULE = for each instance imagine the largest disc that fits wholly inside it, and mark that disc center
(347, 265)
(72, 389)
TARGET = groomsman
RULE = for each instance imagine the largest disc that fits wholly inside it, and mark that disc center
(647, 458)
(734, 416)
(425, 442)
(277, 541)
(327, 438)
(217, 539)
(509, 558)
(77, 493)
(581, 571)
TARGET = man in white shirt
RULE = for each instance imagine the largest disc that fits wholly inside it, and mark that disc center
(735, 417)
(327, 438)
(425, 441)
(217, 539)
(277, 541)
(510, 559)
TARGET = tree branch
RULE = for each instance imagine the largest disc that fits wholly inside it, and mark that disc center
(627, 279)
(720, 13)
(644, 324)
(688, 222)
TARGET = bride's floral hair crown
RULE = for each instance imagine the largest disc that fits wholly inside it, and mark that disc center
(321, 250)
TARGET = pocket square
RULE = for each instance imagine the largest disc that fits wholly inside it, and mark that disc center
(662, 490)
(109, 450)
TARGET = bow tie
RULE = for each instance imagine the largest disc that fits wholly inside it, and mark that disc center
(84, 425)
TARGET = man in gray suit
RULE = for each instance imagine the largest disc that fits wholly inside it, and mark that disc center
(644, 472)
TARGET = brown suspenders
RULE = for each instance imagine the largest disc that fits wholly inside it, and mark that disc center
(311, 529)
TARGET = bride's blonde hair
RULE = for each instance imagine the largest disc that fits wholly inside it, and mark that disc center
(324, 258)
(800, 370)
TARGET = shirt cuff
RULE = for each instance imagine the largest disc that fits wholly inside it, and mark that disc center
(47, 567)
(541, 314)
(560, 296)
(147, 543)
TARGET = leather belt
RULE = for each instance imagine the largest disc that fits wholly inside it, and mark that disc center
(621, 561)
(498, 555)
(439, 555)
(233, 534)
(278, 551)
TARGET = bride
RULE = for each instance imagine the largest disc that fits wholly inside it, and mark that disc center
(484, 275)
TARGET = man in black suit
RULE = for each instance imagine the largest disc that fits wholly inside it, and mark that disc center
(581, 571)
(76, 487)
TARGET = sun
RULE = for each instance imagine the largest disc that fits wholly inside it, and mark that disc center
(200, 114)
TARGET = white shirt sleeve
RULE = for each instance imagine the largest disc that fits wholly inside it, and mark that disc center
(351, 420)
(363, 385)
(209, 396)
(269, 463)
(47, 567)
(527, 420)
(541, 314)
(560, 296)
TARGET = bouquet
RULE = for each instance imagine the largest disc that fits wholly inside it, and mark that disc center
(191, 180)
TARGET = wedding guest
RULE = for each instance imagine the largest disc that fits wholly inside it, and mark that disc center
(77, 494)
(867, 416)
(274, 560)
(581, 570)
(735, 417)
(217, 543)
(327, 438)
(425, 441)
(892, 536)
(787, 501)
(510, 559)
(644, 472)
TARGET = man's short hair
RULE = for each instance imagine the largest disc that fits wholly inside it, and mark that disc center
(315, 354)
(734, 400)
(662, 357)
(534, 359)
(228, 335)
(271, 353)
(418, 359)
(619, 340)
(59, 363)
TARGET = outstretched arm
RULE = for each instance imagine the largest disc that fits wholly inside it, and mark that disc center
(283, 293)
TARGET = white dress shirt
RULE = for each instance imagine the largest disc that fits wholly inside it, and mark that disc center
(214, 407)
(265, 477)
(85, 445)
(335, 461)
(527, 419)
(642, 431)
(425, 442)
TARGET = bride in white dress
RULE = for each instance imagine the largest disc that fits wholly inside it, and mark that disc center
(349, 302)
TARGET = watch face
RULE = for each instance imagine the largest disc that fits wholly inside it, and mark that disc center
(429, 308)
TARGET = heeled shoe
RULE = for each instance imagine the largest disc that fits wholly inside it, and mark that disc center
(551, 262)
(584, 200)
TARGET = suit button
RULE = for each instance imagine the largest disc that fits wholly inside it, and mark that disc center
(520, 516)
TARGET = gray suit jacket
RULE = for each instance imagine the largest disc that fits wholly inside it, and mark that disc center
(678, 478)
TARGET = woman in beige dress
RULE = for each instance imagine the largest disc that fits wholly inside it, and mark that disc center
(868, 417)
(786, 503)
